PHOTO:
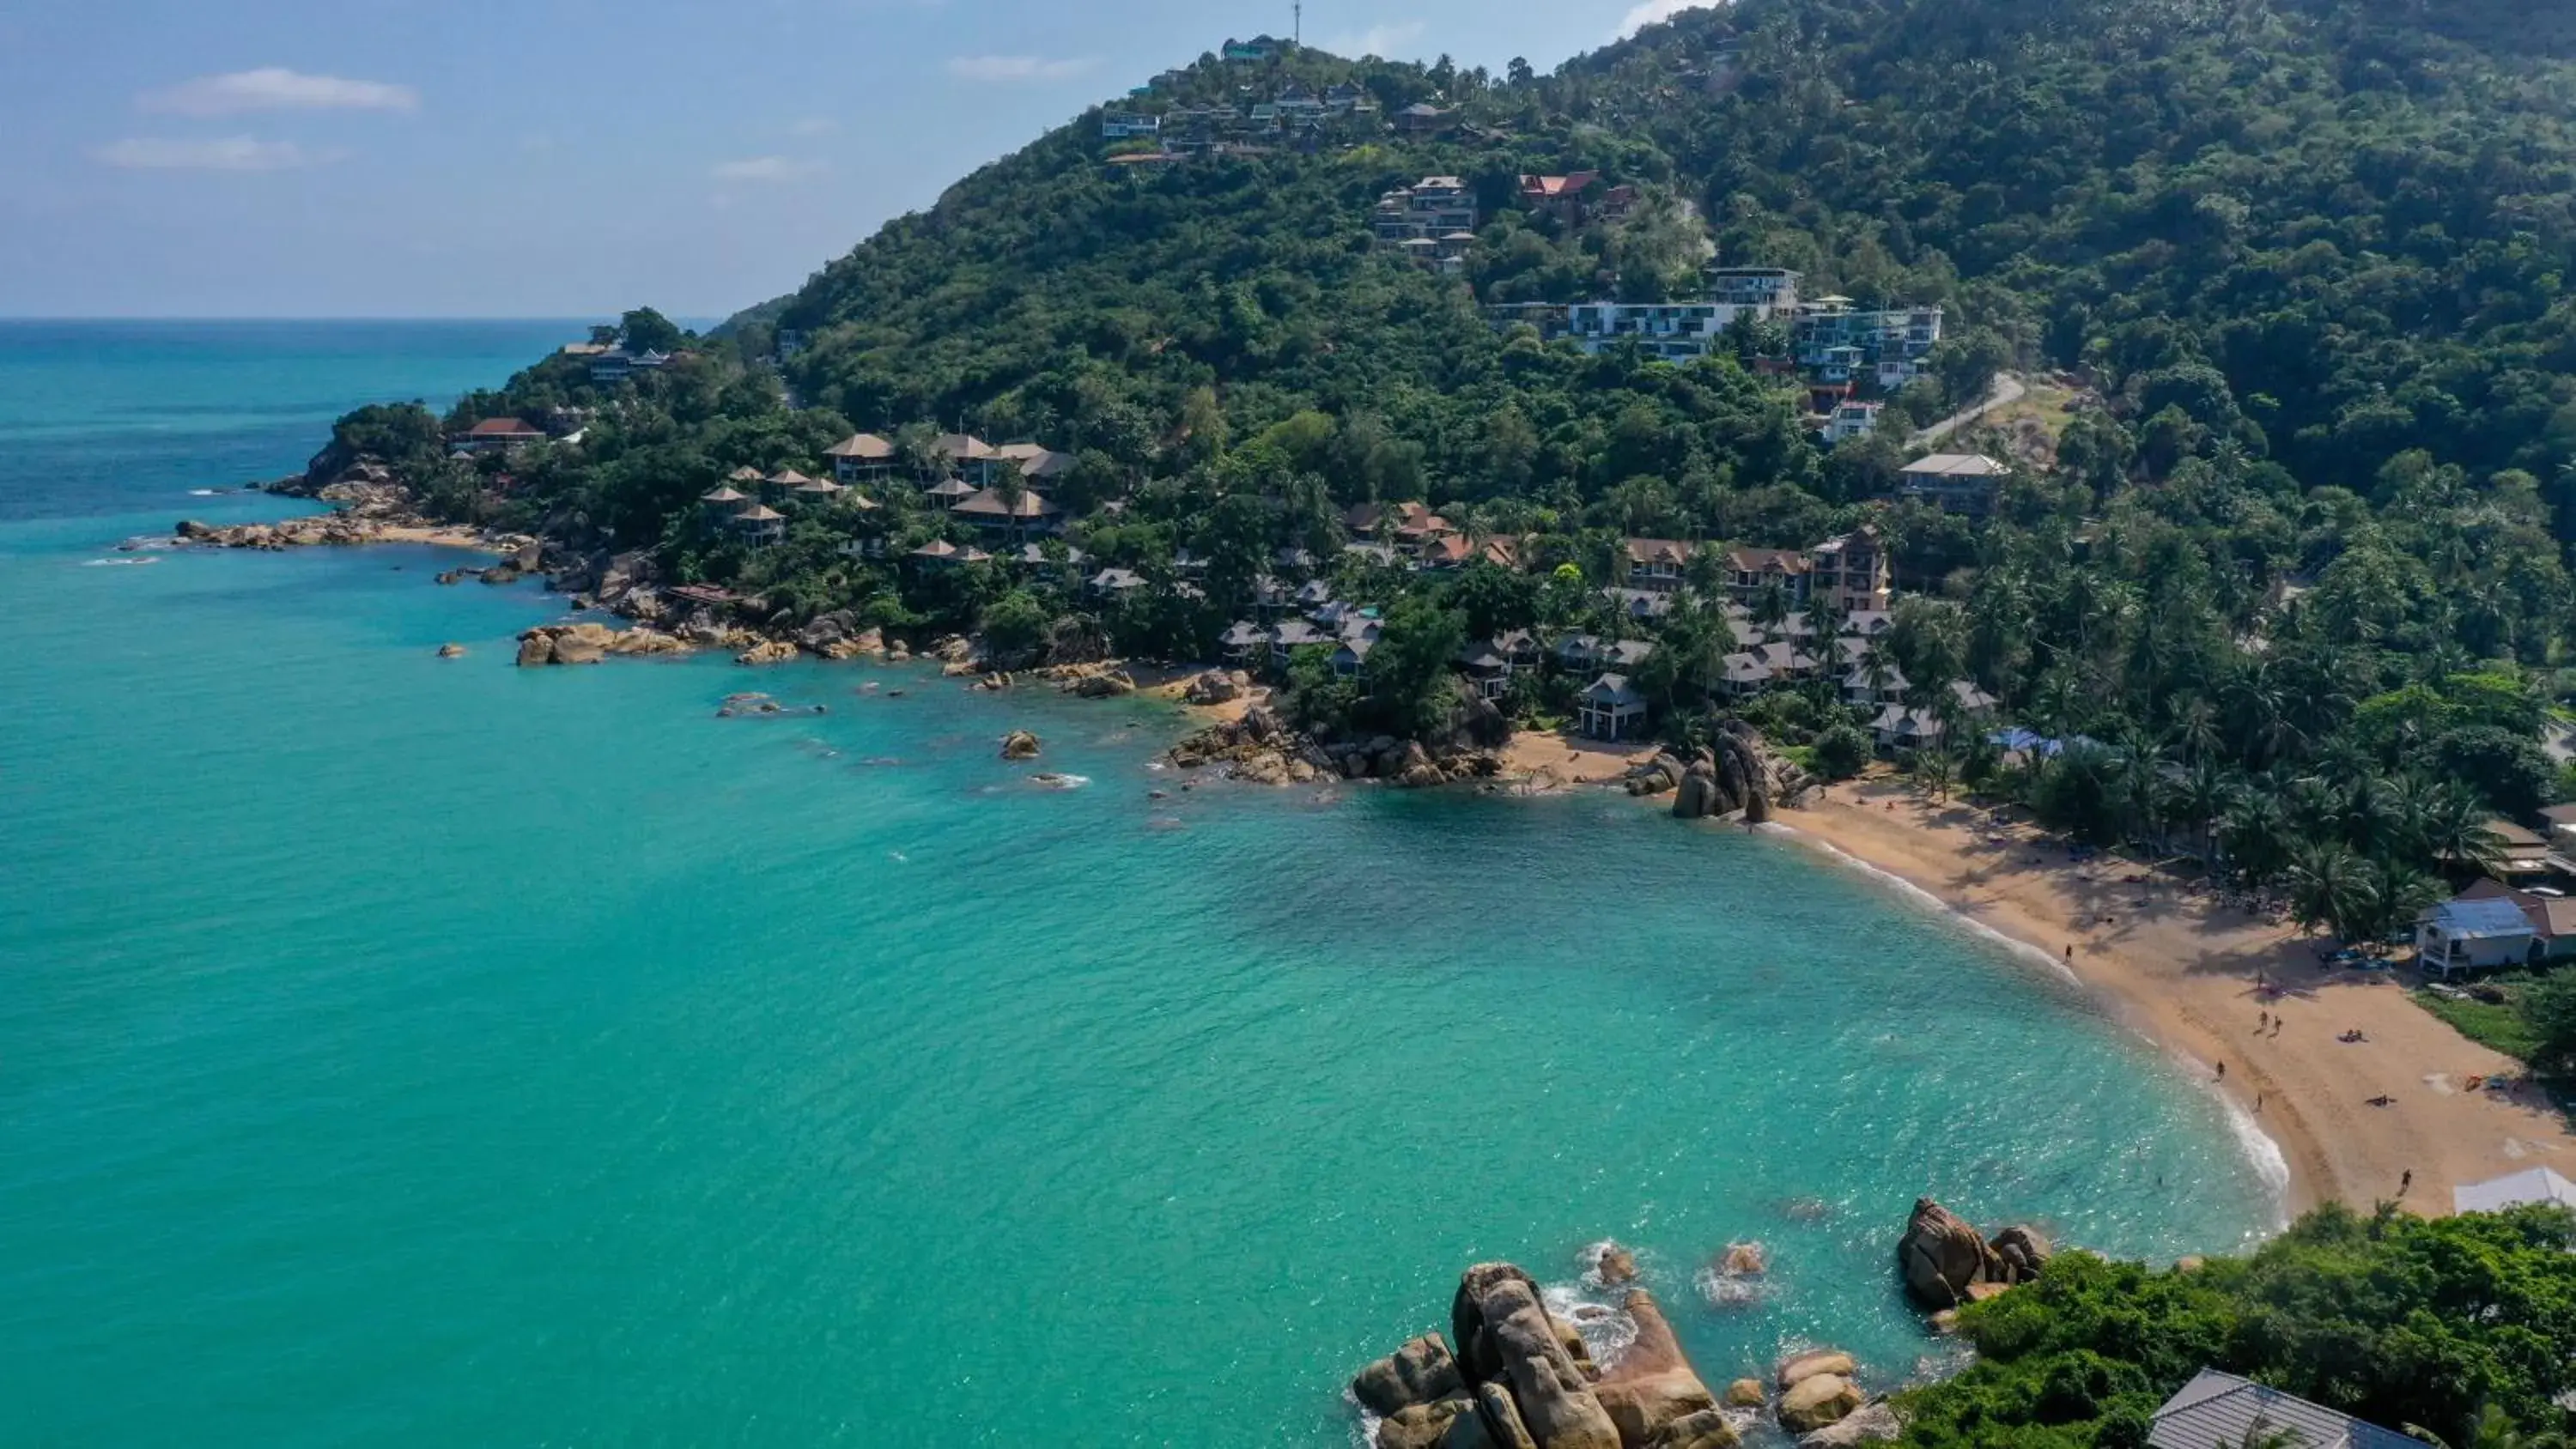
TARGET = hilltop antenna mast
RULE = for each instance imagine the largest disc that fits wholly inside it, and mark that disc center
(1298, 32)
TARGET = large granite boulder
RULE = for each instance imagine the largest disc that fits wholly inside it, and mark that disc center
(1496, 1423)
(1215, 687)
(1743, 1394)
(767, 651)
(2023, 1251)
(1799, 1368)
(1696, 798)
(1516, 1335)
(1941, 1256)
(1817, 1401)
(1872, 1423)
(536, 649)
(1652, 1385)
(1467, 1336)
(583, 643)
(1421, 1372)
(1421, 1426)
(1706, 1429)
(1020, 745)
(1104, 686)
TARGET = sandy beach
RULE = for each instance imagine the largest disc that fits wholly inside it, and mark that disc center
(438, 535)
(2185, 971)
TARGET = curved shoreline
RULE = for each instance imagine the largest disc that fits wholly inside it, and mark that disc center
(2183, 973)
(2263, 1150)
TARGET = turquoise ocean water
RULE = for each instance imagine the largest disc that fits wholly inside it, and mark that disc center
(406, 1052)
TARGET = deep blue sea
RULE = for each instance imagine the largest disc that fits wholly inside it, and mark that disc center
(408, 1052)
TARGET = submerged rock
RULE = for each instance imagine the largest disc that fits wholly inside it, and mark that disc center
(451, 651)
(1020, 745)
(1802, 1367)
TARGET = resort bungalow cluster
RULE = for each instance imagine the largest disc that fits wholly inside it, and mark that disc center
(990, 488)
(1835, 344)
(1250, 117)
(1432, 223)
(1853, 571)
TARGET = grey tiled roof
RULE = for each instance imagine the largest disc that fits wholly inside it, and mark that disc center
(2219, 1411)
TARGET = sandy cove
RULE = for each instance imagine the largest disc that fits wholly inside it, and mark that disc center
(2184, 970)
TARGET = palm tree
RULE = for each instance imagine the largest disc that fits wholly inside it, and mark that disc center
(2195, 730)
(1771, 607)
(2455, 831)
(2198, 799)
(2257, 834)
(2494, 1429)
(2330, 886)
(1935, 771)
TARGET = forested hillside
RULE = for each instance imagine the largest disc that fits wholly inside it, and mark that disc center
(2288, 567)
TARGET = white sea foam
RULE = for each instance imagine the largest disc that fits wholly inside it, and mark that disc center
(116, 563)
(1606, 1327)
(1059, 782)
(1922, 897)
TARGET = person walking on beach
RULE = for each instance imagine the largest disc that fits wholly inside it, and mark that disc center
(2405, 1180)
(2262, 1023)
(2222, 1071)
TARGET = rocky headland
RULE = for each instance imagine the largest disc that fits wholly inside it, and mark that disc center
(1511, 1374)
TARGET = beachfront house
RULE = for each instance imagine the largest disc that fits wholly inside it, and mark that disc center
(2552, 917)
(1487, 667)
(1611, 709)
(2533, 1187)
(2221, 1411)
(2472, 934)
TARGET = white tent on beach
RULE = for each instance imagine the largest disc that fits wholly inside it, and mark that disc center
(2521, 1189)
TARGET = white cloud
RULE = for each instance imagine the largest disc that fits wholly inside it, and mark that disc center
(1384, 41)
(814, 126)
(1019, 67)
(766, 168)
(1655, 12)
(229, 153)
(275, 88)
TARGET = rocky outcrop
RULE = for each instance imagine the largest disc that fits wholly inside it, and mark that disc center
(1737, 772)
(1108, 684)
(1743, 1394)
(1652, 1386)
(1940, 1256)
(2024, 1252)
(1422, 1426)
(1020, 745)
(1945, 1262)
(767, 651)
(1421, 1372)
(1506, 1337)
(1215, 687)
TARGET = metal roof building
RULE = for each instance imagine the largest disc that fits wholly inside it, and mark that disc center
(2221, 1411)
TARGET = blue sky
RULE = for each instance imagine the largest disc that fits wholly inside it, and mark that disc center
(390, 158)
